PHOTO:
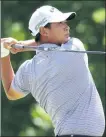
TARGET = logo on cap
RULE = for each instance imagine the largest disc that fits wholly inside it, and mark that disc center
(43, 21)
(52, 9)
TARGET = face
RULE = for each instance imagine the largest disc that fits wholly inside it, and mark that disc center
(58, 33)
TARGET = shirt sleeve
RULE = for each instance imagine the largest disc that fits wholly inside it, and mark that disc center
(78, 44)
(22, 79)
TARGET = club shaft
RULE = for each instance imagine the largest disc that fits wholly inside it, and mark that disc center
(34, 48)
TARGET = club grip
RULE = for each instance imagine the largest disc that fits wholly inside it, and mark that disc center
(17, 46)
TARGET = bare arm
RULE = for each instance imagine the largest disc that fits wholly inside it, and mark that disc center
(29, 42)
(7, 72)
(7, 75)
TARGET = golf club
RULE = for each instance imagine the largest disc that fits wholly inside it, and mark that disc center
(34, 48)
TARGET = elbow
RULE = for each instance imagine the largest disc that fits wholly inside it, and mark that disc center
(11, 98)
(14, 95)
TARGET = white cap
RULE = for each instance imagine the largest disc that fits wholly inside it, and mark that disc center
(47, 14)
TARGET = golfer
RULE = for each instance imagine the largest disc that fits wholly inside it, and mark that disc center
(61, 82)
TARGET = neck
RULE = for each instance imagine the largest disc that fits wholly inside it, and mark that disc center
(44, 41)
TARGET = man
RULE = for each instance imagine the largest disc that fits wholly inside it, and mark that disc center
(60, 82)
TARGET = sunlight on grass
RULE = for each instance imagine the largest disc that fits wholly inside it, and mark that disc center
(39, 112)
(40, 118)
(17, 31)
(99, 15)
(81, 28)
(30, 131)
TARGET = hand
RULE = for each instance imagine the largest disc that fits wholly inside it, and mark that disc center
(7, 42)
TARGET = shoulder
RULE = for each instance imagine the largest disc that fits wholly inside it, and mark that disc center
(77, 43)
(25, 66)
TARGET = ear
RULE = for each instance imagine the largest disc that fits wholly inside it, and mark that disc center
(44, 31)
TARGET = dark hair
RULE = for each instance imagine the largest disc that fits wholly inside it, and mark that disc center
(37, 38)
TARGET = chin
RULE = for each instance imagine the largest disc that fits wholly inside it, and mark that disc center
(66, 39)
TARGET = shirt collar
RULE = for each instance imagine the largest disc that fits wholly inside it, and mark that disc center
(48, 45)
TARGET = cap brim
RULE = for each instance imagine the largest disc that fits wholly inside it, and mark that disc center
(70, 15)
(63, 17)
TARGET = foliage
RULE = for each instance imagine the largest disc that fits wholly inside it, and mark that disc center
(25, 117)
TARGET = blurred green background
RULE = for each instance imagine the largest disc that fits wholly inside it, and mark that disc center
(24, 117)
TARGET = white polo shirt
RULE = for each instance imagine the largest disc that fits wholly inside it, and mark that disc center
(62, 84)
